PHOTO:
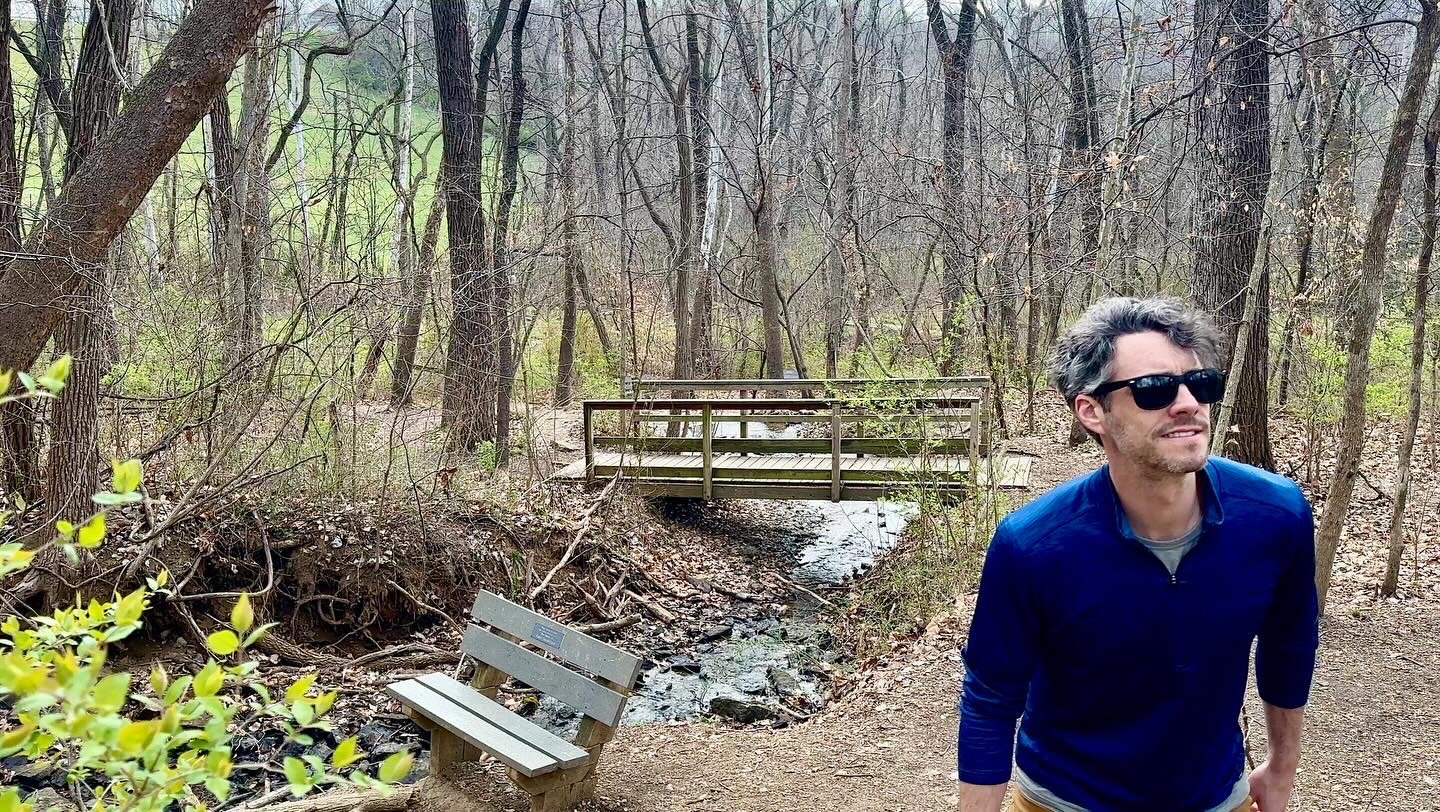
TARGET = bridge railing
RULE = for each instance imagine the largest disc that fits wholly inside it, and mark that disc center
(909, 426)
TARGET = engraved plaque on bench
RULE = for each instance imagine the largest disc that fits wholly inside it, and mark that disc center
(551, 637)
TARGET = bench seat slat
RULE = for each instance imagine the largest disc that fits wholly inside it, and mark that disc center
(564, 753)
(549, 677)
(474, 730)
(578, 649)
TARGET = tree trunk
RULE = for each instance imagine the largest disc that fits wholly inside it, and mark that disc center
(471, 361)
(73, 458)
(1367, 302)
(1417, 357)
(503, 336)
(954, 56)
(19, 474)
(757, 61)
(842, 191)
(1082, 138)
(701, 352)
(569, 246)
(407, 337)
(1232, 118)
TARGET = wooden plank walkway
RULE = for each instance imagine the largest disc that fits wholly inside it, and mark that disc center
(804, 473)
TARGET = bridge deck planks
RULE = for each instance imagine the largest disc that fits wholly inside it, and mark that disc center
(1011, 471)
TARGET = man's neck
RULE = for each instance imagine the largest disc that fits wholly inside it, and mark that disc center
(1159, 506)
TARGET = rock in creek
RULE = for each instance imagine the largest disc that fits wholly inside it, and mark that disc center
(783, 682)
(741, 711)
(682, 664)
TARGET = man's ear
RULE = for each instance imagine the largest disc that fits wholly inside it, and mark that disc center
(1091, 414)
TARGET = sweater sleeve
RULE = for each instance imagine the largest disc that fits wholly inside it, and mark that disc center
(999, 659)
(1290, 635)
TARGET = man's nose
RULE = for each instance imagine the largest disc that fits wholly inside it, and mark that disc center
(1185, 402)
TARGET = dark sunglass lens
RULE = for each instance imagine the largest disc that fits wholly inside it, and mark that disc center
(1154, 393)
(1207, 385)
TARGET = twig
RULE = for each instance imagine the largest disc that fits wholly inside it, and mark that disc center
(581, 533)
(812, 593)
(420, 603)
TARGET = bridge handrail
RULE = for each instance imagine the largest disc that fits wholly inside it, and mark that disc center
(633, 386)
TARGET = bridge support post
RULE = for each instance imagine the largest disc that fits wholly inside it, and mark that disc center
(707, 466)
(834, 451)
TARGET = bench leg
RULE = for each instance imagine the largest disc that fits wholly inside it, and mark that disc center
(558, 791)
(447, 750)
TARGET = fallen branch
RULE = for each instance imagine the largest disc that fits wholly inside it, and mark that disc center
(609, 625)
(660, 612)
(367, 801)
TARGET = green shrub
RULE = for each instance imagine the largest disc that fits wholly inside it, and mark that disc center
(142, 745)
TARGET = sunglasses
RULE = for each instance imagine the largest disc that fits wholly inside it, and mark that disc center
(1153, 392)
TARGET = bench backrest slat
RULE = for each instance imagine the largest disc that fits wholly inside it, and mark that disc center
(549, 677)
(578, 649)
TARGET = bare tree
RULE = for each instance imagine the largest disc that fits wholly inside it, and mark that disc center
(1430, 224)
(1368, 300)
(955, 54)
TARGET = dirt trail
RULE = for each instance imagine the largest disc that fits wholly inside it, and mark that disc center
(1372, 738)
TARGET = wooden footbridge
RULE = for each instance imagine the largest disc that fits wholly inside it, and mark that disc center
(755, 439)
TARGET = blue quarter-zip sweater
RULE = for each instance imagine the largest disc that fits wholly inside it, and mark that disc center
(1128, 681)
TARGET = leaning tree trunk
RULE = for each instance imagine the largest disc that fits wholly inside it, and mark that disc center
(407, 336)
(106, 191)
(1367, 302)
(1417, 358)
(1232, 117)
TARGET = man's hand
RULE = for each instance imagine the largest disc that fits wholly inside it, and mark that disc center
(1271, 786)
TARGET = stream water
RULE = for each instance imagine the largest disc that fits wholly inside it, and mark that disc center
(772, 668)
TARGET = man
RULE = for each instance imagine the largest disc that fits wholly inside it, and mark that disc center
(1116, 612)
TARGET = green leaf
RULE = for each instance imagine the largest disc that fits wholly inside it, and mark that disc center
(135, 736)
(300, 688)
(396, 767)
(297, 775)
(55, 375)
(4, 382)
(126, 476)
(304, 713)
(223, 643)
(219, 787)
(27, 380)
(10, 802)
(92, 533)
(258, 633)
(64, 528)
(112, 499)
(209, 681)
(109, 696)
(346, 753)
(242, 616)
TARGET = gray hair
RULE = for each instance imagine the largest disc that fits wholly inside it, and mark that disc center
(1081, 359)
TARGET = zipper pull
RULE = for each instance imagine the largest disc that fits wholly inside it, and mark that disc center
(1173, 581)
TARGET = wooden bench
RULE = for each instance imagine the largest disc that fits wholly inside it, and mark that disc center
(507, 640)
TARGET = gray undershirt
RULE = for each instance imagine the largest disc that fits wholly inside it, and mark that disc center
(1170, 553)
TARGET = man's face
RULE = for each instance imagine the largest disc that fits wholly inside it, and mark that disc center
(1172, 440)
